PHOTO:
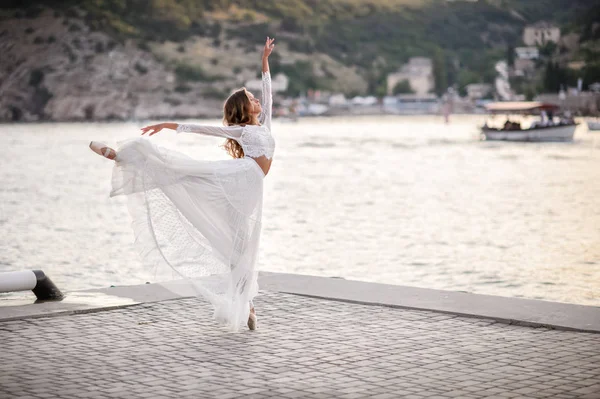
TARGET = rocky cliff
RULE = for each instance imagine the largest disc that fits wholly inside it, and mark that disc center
(55, 68)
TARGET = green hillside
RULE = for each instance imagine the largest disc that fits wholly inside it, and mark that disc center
(465, 38)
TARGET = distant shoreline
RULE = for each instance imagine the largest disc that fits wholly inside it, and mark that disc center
(278, 118)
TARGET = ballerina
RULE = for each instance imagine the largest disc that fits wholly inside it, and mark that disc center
(202, 219)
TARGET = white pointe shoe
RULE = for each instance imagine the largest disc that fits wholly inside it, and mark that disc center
(103, 149)
(252, 321)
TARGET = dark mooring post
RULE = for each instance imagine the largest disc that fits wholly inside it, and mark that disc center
(45, 289)
(35, 280)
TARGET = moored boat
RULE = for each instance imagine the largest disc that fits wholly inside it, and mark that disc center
(546, 129)
(593, 125)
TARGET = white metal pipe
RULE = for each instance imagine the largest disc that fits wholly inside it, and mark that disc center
(17, 281)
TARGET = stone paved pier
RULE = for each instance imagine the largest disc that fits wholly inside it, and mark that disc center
(305, 347)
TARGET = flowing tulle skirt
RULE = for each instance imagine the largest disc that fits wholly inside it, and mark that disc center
(201, 219)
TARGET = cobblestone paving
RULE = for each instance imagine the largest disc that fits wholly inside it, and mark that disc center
(304, 348)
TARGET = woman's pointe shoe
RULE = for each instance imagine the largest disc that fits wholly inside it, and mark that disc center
(252, 321)
(103, 149)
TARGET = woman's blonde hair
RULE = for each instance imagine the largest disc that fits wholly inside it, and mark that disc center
(236, 111)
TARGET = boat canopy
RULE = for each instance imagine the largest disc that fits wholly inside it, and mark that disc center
(520, 107)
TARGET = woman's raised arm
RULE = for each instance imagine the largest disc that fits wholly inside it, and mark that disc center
(269, 46)
(267, 96)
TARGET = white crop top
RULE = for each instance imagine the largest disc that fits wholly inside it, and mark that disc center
(256, 140)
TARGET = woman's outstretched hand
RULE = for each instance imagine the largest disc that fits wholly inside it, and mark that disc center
(269, 46)
(153, 129)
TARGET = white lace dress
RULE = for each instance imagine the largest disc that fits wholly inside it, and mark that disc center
(202, 219)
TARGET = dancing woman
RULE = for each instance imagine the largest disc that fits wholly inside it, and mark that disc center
(202, 219)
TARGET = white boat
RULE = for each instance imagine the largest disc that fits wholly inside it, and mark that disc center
(537, 132)
(593, 125)
(548, 133)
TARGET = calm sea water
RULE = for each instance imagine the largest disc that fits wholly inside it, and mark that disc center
(400, 200)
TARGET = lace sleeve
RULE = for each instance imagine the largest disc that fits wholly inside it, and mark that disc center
(267, 100)
(230, 132)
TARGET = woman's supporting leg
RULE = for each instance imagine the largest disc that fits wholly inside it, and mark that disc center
(252, 317)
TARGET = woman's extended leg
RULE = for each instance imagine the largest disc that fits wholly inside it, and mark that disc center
(103, 149)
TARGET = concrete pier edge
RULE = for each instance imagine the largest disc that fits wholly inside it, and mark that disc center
(514, 311)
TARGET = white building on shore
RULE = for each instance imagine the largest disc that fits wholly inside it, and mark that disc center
(411, 104)
(527, 53)
(338, 100)
(476, 91)
(540, 33)
(419, 74)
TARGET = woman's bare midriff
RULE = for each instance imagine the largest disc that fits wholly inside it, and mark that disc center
(264, 163)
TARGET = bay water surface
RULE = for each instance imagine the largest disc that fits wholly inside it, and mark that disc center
(397, 200)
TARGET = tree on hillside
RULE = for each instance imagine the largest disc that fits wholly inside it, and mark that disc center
(439, 72)
(510, 55)
(556, 77)
(550, 82)
(590, 74)
(465, 78)
(402, 87)
(548, 50)
(377, 81)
